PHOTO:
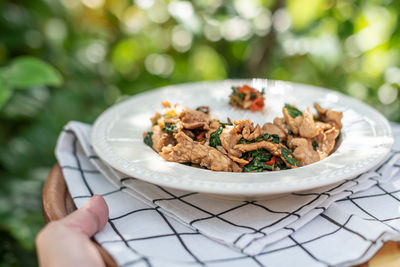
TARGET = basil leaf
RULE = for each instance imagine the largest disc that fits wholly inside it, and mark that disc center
(223, 124)
(256, 166)
(258, 162)
(257, 153)
(214, 137)
(235, 91)
(282, 166)
(273, 138)
(169, 128)
(293, 112)
(288, 156)
(315, 145)
(253, 96)
(242, 141)
(148, 140)
(203, 109)
(261, 138)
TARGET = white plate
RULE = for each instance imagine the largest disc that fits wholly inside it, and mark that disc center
(366, 138)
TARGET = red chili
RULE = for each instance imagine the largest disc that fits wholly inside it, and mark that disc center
(258, 104)
(245, 88)
(201, 135)
(272, 161)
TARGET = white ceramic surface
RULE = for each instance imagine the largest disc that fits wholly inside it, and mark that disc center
(366, 138)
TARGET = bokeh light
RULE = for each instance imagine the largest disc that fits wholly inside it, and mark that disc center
(109, 50)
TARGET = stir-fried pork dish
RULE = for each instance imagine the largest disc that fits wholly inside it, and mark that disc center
(193, 137)
(246, 97)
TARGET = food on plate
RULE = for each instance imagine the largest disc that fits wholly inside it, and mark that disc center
(193, 137)
(246, 97)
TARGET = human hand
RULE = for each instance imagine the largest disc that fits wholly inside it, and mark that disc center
(66, 242)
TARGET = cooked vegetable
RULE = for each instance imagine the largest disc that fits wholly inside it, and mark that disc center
(169, 128)
(214, 138)
(288, 156)
(273, 138)
(223, 124)
(258, 162)
(200, 136)
(258, 104)
(195, 138)
(315, 145)
(246, 97)
(148, 139)
(281, 166)
(236, 92)
(293, 111)
(204, 109)
(272, 161)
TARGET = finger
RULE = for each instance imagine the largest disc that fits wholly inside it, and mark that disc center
(66, 242)
(90, 218)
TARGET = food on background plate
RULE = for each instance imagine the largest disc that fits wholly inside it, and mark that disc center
(246, 97)
(193, 137)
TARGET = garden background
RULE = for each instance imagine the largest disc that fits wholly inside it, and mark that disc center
(63, 60)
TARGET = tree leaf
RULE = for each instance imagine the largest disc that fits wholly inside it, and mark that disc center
(26, 72)
(5, 92)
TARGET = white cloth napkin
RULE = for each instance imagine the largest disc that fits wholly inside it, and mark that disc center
(152, 225)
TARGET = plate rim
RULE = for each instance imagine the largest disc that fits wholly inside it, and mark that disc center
(223, 188)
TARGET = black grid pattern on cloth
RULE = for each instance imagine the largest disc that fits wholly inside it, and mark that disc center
(367, 210)
(75, 143)
(256, 259)
(142, 258)
(253, 230)
(317, 196)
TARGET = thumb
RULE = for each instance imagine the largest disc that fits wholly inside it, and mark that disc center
(90, 218)
(66, 242)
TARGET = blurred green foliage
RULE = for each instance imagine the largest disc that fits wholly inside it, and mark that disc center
(25, 73)
(107, 50)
